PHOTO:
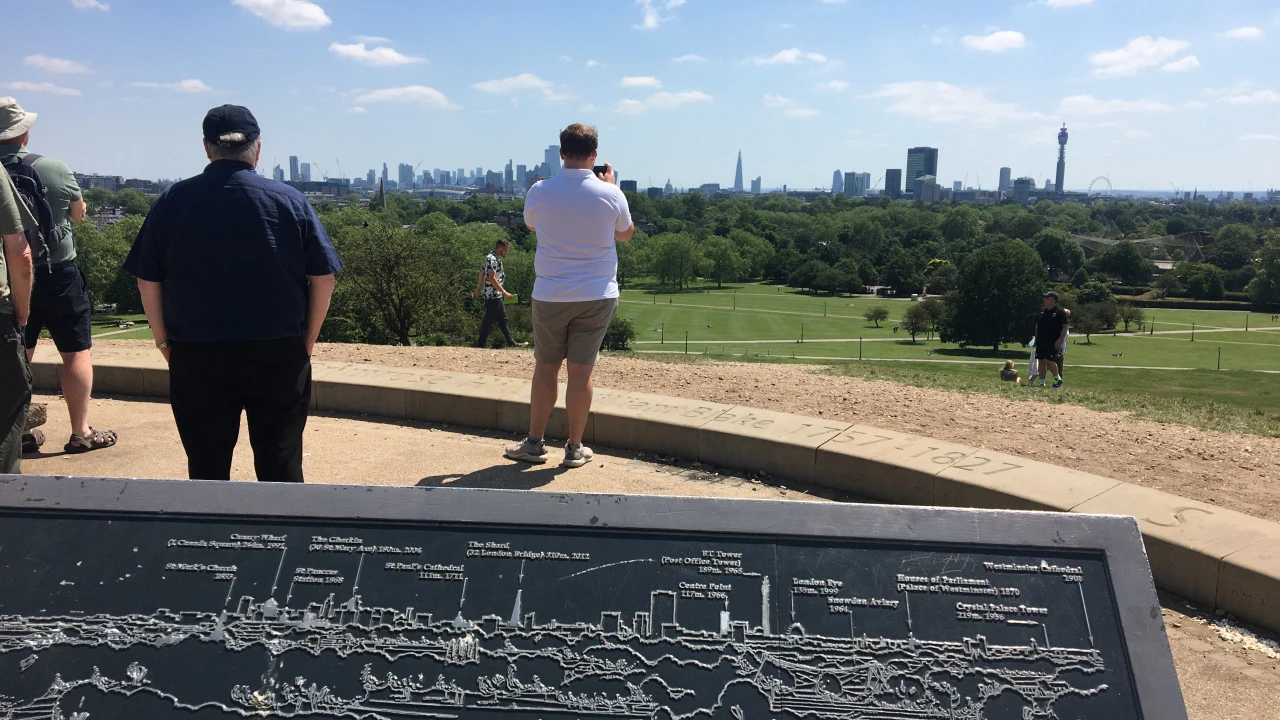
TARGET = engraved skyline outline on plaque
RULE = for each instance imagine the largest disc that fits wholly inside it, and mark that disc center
(798, 673)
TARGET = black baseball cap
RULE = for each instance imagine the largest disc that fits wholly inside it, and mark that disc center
(1051, 294)
(226, 119)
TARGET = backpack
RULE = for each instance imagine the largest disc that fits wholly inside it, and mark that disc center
(32, 191)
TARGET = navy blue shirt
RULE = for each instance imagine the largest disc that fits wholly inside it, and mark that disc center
(233, 250)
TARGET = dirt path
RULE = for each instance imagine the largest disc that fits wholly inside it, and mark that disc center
(1241, 472)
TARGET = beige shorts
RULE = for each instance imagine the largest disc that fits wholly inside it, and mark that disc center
(572, 330)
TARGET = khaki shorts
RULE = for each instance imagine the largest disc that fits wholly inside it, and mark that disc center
(572, 330)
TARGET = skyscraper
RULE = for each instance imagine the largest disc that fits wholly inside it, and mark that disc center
(921, 161)
(551, 156)
(277, 174)
(305, 172)
(371, 178)
(1006, 180)
(737, 175)
(837, 183)
(405, 176)
(893, 183)
(755, 186)
(293, 169)
(956, 186)
(462, 176)
(1022, 189)
(510, 177)
(1062, 159)
(384, 174)
(522, 174)
(851, 184)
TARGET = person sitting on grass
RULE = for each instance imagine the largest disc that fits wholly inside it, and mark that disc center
(1009, 373)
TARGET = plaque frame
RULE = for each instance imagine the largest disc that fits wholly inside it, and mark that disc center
(1118, 537)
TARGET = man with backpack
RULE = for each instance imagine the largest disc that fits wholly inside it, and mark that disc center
(59, 301)
(15, 305)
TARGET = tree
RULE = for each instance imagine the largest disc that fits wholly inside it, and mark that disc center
(1265, 288)
(1093, 292)
(1233, 247)
(998, 298)
(1202, 280)
(805, 275)
(1080, 277)
(1125, 260)
(755, 251)
(877, 314)
(722, 260)
(1087, 320)
(1168, 283)
(674, 259)
(133, 202)
(1129, 314)
(829, 281)
(1024, 226)
(916, 320)
(903, 274)
(1059, 251)
(100, 255)
(936, 310)
(942, 278)
(960, 224)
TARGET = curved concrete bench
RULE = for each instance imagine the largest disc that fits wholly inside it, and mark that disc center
(1216, 557)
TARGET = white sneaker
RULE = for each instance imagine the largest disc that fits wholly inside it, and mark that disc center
(576, 457)
(526, 451)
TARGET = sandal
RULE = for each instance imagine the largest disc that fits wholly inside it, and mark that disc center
(95, 440)
(32, 442)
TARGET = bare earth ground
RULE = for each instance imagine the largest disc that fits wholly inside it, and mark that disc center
(1235, 471)
(1222, 679)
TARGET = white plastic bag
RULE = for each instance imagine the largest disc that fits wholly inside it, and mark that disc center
(1033, 368)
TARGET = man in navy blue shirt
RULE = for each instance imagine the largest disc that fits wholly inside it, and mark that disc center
(236, 274)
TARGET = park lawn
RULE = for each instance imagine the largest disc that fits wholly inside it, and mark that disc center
(111, 323)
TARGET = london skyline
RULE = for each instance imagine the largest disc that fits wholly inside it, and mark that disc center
(1155, 98)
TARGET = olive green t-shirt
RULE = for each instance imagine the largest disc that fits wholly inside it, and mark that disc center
(61, 189)
(14, 217)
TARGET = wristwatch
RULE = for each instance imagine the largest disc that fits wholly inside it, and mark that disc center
(163, 346)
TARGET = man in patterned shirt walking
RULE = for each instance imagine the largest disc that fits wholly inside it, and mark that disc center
(490, 284)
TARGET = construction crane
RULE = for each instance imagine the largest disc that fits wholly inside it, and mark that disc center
(341, 176)
(979, 182)
(965, 184)
(873, 187)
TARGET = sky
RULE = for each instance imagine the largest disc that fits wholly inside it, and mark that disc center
(1156, 95)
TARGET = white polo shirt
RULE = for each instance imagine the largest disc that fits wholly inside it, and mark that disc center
(575, 216)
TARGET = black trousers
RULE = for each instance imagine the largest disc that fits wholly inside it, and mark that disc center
(495, 313)
(211, 383)
(15, 395)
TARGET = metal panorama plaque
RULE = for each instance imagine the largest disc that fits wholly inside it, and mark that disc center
(174, 599)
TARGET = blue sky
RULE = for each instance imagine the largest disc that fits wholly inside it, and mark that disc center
(1174, 92)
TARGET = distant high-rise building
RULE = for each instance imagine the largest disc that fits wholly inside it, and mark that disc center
(956, 186)
(277, 174)
(510, 177)
(1006, 180)
(1049, 186)
(521, 173)
(850, 184)
(404, 176)
(921, 161)
(294, 174)
(668, 189)
(551, 157)
(1062, 159)
(737, 175)
(864, 182)
(627, 185)
(1022, 189)
(461, 177)
(925, 188)
(755, 186)
(385, 179)
(837, 183)
(654, 193)
(893, 183)
(304, 171)
(371, 178)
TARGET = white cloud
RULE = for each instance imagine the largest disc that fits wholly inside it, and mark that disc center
(691, 57)
(1194, 105)
(1260, 136)
(429, 97)
(182, 86)
(672, 4)
(943, 102)
(1242, 95)
(1066, 3)
(833, 2)
(660, 101)
(372, 39)
(56, 65)
(565, 58)
(833, 86)
(790, 57)
(1244, 33)
(357, 110)
(650, 18)
(595, 63)
(91, 5)
(998, 41)
(42, 87)
(1141, 53)
(1076, 105)
(525, 82)
(1182, 65)
(288, 14)
(376, 56)
(639, 81)
(793, 108)
(787, 26)
(1135, 134)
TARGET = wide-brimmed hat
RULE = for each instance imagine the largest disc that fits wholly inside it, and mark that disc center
(14, 121)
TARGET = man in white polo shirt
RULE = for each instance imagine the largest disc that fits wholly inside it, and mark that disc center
(577, 216)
